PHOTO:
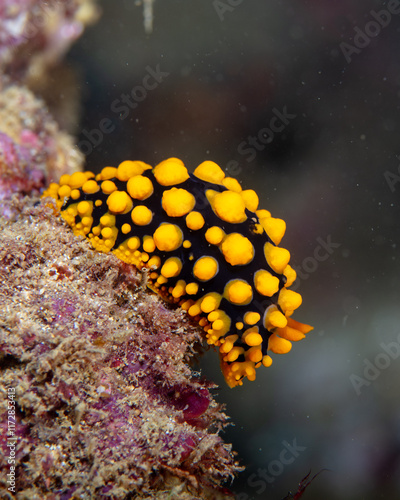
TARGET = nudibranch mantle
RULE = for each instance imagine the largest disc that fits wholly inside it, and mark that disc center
(205, 245)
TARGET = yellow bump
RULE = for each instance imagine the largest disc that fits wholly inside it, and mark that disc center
(238, 292)
(265, 283)
(290, 274)
(133, 243)
(239, 325)
(192, 288)
(98, 203)
(177, 202)
(237, 249)
(77, 180)
(64, 191)
(194, 310)
(214, 235)
(228, 344)
(170, 172)
(274, 318)
(64, 179)
(251, 318)
(84, 208)
(90, 187)
(254, 354)
(289, 333)
(119, 202)
(275, 228)
(262, 214)
(168, 237)
(251, 337)
(108, 187)
(210, 302)
(154, 262)
(140, 187)
(126, 228)
(277, 258)
(148, 244)
(179, 289)
(75, 194)
(171, 267)
(107, 220)
(210, 172)
(232, 184)
(289, 300)
(267, 361)
(250, 199)
(106, 232)
(278, 345)
(205, 268)
(141, 215)
(128, 169)
(302, 327)
(107, 173)
(233, 354)
(228, 205)
(187, 244)
(195, 221)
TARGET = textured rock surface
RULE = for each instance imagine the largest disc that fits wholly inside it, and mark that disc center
(106, 403)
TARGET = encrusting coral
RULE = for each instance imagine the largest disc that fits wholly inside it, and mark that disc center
(106, 404)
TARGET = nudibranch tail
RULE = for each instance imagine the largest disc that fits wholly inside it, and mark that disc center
(206, 245)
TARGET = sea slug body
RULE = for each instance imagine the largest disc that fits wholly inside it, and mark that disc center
(206, 246)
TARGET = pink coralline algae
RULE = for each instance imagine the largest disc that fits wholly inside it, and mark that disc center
(106, 404)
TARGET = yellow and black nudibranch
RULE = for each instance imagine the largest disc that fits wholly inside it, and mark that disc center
(206, 246)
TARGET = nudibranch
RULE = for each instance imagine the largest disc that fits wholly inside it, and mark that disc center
(206, 246)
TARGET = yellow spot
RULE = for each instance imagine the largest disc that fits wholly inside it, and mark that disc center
(108, 187)
(84, 208)
(232, 184)
(289, 300)
(290, 274)
(210, 172)
(251, 318)
(106, 232)
(210, 302)
(237, 249)
(239, 325)
(133, 243)
(128, 169)
(179, 289)
(172, 267)
(278, 345)
(75, 194)
(170, 172)
(119, 202)
(228, 206)
(251, 337)
(250, 199)
(276, 257)
(64, 179)
(195, 221)
(194, 310)
(214, 235)
(177, 202)
(275, 228)
(126, 228)
(187, 244)
(107, 173)
(265, 283)
(262, 214)
(274, 318)
(254, 354)
(141, 215)
(140, 187)
(77, 180)
(228, 344)
(107, 220)
(154, 262)
(168, 237)
(64, 191)
(90, 187)
(267, 361)
(98, 203)
(238, 292)
(148, 244)
(192, 288)
(205, 268)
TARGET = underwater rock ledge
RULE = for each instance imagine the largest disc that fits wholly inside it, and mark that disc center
(107, 406)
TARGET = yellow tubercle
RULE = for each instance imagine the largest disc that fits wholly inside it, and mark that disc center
(170, 172)
(168, 237)
(210, 172)
(205, 268)
(237, 249)
(177, 202)
(140, 187)
(277, 257)
(275, 228)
